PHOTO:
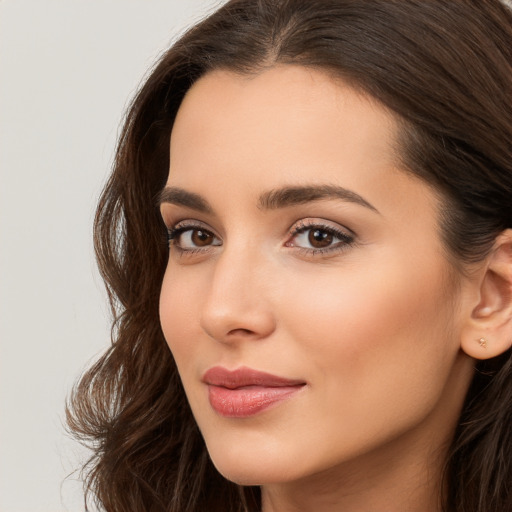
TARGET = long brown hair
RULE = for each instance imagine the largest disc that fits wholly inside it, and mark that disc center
(444, 67)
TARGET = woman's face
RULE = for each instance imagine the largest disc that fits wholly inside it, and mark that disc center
(300, 249)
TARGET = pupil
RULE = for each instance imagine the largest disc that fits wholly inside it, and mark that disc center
(319, 238)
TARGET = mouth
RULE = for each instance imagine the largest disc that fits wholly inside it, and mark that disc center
(245, 392)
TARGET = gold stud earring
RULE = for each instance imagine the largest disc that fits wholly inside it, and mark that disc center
(483, 342)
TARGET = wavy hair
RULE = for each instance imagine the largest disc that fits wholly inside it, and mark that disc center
(444, 67)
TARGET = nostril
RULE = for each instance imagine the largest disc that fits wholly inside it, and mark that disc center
(240, 332)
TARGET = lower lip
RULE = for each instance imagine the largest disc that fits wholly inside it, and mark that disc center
(247, 401)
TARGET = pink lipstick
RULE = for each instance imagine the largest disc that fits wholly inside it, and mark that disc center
(245, 392)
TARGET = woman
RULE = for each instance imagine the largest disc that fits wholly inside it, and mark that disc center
(334, 180)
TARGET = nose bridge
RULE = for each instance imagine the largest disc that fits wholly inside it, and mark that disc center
(237, 304)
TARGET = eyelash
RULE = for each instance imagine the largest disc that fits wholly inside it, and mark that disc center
(346, 238)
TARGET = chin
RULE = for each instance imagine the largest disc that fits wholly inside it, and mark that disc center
(252, 467)
(248, 475)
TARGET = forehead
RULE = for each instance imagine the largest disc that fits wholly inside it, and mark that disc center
(288, 125)
(279, 112)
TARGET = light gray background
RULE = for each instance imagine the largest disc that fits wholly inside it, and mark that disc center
(67, 70)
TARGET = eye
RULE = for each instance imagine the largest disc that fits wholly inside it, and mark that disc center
(317, 237)
(192, 238)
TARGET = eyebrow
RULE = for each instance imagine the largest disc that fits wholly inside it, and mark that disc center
(290, 196)
(273, 199)
(182, 197)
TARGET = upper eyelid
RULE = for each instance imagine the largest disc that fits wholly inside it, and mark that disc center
(305, 224)
(188, 223)
(191, 224)
(172, 215)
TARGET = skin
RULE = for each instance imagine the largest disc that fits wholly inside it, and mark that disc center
(373, 326)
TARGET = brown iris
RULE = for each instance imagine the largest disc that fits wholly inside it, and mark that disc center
(201, 238)
(319, 238)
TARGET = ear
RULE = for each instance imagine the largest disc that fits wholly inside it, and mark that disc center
(488, 331)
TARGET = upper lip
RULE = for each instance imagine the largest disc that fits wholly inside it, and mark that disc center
(242, 377)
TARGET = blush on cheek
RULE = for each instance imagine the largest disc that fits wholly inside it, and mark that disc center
(362, 316)
(176, 314)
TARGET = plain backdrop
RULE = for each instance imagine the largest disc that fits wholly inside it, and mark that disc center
(67, 70)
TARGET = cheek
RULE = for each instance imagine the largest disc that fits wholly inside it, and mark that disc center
(178, 317)
(378, 334)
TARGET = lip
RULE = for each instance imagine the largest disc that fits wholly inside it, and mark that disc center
(245, 392)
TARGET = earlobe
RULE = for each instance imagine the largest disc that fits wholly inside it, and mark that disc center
(488, 332)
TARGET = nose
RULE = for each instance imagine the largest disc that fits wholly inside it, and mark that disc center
(237, 306)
